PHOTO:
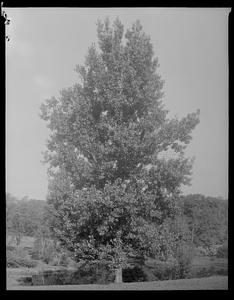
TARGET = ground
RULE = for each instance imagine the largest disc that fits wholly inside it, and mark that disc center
(209, 283)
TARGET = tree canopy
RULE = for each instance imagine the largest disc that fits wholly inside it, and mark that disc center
(110, 184)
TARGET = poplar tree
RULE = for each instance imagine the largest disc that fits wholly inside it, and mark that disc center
(110, 185)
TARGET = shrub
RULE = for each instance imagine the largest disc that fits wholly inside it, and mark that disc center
(35, 255)
(19, 258)
(28, 263)
(87, 274)
(10, 248)
(12, 263)
(36, 252)
(148, 272)
(222, 251)
(213, 249)
(134, 274)
(165, 270)
(64, 259)
(17, 253)
(72, 263)
(204, 272)
(201, 251)
(55, 260)
(29, 250)
(43, 250)
(210, 271)
(103, 274)
(222, 272)
(184, 256)
(48, 253)
(90, 273)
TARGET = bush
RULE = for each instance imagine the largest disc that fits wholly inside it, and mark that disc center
(201, 251)
(92, 273)
(88, 273)
(12, 263)
(55, 261)
(72, 263)
(35, 255)
(10, 248)
(210, 271)
(29, 250)
(36, 252)
(28, 263)
(165, 271)
(46, 253)
(49, 253)
(148, 272)
(204, 272)
(213, 249)
(62, 259)
(222, 251)
(134, 274)
(19, 258)
(184, 256)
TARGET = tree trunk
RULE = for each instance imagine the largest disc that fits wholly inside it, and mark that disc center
(118, 275)
(18, 239)
(43, 244)
(192, 237)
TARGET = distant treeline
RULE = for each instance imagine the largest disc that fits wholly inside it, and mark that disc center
(204, 219)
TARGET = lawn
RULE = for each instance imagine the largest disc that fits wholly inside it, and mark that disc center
(209, 283)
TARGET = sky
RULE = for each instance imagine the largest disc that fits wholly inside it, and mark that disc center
(47, 43)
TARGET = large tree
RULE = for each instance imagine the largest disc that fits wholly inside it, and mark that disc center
(110, 185)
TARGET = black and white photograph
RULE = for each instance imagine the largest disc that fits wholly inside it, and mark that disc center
(117, 148)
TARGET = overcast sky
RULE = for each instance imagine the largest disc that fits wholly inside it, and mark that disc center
(45, 46)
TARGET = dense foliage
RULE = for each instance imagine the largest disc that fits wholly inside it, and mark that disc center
(110, 184)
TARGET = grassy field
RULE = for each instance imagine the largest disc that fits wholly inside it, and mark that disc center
(209, 283)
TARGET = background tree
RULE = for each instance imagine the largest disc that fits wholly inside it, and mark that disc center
(207, 219)
(109, 184)
(10, 205)
(23, 217)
